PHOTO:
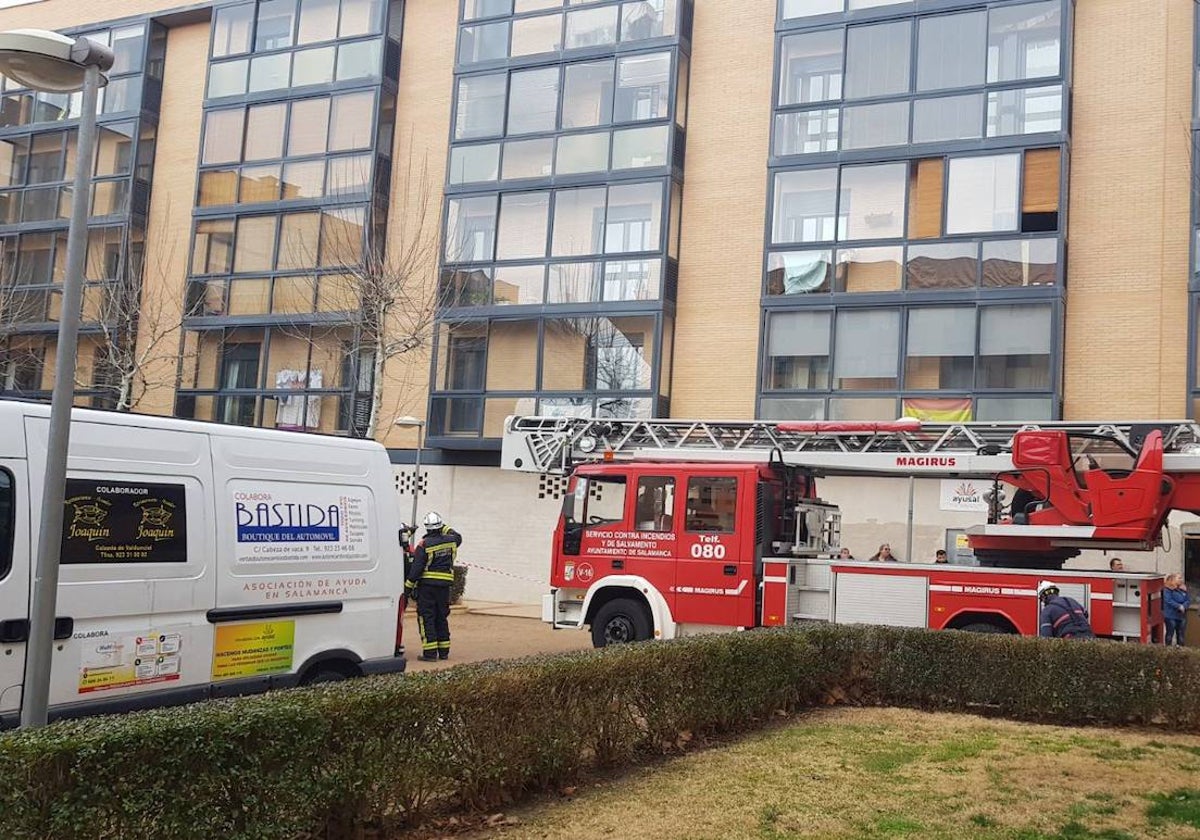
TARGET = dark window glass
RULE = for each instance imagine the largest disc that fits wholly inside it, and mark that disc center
(1014, 347)
(231, 30)
(866, 350)
(951, 51)
(941, 349)
(797, 350)
(480, 106)
(642, 87)
(8, 507)
(877, 59)
(1024, 41)
(588, 94)
(810, 67)
(486, 42)
(275, 24)
(712, 505)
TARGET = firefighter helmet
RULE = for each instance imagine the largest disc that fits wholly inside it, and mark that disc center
(1046, 590)
(433, 520)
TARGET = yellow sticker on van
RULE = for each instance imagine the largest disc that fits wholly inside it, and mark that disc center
(248, 650)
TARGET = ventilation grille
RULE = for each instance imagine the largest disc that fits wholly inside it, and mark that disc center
(552, 486)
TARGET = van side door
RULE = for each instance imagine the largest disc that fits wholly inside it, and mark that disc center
(15, 563)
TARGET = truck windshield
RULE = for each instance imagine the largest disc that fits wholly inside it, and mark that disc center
(7, 511)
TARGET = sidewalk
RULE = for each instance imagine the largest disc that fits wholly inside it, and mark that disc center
(500, 608)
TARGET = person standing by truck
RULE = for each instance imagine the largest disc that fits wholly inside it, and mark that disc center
(430, 579)
(1175, 606)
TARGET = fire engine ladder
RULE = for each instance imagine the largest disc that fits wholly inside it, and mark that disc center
(904, 447)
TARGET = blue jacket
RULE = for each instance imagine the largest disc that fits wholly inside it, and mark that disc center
(1175, 604)
(1065, 618)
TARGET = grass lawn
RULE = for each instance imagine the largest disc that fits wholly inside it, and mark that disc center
(848, 773)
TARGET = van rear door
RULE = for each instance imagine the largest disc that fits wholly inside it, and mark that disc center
(14, 581)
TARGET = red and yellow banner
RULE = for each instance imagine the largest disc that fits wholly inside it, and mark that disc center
(938, 410)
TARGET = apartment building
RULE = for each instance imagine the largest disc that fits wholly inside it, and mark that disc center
(335, 212)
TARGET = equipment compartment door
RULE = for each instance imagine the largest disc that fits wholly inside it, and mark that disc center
(892, 600)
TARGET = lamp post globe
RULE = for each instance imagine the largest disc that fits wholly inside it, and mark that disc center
(50, 61)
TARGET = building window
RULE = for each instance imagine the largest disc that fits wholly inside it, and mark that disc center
(1001, 46)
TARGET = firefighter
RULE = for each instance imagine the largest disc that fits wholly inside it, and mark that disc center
(1062, 617)
(429, 579)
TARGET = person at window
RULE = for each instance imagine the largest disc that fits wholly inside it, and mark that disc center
(1116, 565)
(940, 556)
(430, 578)
(1175, 606)
(884, 555)
(1062, 617)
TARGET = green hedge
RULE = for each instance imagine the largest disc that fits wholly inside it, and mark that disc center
(324, 762)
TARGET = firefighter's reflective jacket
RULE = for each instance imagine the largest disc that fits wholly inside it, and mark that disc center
(433, 558)
(1065, 618)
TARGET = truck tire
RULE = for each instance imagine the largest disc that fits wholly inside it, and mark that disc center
(984, 627)
(620, 621)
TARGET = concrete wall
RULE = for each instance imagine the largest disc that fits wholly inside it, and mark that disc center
(507, 529)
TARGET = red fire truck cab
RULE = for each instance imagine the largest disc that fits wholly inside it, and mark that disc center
(648, 549)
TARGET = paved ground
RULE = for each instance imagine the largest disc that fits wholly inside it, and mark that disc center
(493, 631)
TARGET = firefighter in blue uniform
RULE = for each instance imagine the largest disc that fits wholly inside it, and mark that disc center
(1062, 617)
(430, 578)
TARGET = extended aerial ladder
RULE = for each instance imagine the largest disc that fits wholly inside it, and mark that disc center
(1077, 485)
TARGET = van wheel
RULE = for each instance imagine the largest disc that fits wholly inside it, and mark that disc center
(325, 674)
(984, 627)
(619, 622)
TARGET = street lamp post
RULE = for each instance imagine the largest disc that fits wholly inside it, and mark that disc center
(408, 423)
(54, 63)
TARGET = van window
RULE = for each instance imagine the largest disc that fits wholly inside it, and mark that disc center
(606, 500)
(655, 508)
(8, 507)
(712, 504)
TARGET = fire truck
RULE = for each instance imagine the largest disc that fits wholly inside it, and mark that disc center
(671, 528)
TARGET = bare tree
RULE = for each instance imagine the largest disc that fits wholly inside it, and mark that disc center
(385, 290)
(136, 338)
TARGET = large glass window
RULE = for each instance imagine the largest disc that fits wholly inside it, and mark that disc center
(579, 221)
(480, 110)
(810, 67)
(643, 87)
(941, 348)
(798, 350)
(471, 229)
(588, 94)
(872, 201)
(982, 194)
(866, 349)
(1014, 347)
(951, 51)
(523, 218)
(805, 206)
(533, 101)
(877, 59)
(634, 219)
(1024, 41)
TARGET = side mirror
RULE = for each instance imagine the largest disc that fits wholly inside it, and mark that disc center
(568, 507)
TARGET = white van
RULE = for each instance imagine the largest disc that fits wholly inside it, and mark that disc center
(198, 560)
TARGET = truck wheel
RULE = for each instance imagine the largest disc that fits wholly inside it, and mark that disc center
(983, 627)
(619, 622)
